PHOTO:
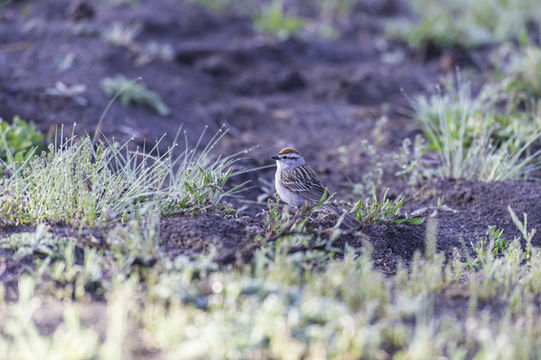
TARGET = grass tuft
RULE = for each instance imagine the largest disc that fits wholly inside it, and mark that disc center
(472, 140)
(519, 69)
(465, 23)
(83, 183)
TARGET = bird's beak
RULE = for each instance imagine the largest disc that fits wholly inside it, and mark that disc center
(276, 157)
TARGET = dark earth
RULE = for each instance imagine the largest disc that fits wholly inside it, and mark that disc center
(321, 96)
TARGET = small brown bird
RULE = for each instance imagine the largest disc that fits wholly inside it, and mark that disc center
(298, 185)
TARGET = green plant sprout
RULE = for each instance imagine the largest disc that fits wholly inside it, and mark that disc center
(523, 228)
(131, 92)
(19, 140)
(519, 70)
(495, 244)
(74, 92)
(273, 19)
(120, 35)
(372, 210)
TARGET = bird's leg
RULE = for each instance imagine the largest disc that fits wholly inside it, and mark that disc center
(291, 222)
(300, 211)
(308, 210)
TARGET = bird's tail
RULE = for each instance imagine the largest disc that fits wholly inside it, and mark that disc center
(348, 220)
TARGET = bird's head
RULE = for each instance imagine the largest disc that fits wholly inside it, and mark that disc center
(288, 158)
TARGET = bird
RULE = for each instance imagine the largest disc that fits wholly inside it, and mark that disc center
(298, 185)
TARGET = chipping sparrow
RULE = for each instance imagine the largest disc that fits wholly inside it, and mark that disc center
(298, 185)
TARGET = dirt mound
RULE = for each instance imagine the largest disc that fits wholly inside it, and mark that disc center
(234, 238)
(472, 206)
(468, 209)
(189, 235)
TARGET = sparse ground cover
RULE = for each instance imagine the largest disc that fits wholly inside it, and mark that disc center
(129, 239)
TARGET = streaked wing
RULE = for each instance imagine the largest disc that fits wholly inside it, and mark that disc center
(304, 182)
